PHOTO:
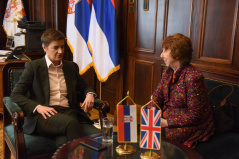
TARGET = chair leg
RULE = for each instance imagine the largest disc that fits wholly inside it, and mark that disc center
(7, 153)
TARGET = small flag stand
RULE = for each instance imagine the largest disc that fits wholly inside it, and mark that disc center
(127, 127)
(150, 134)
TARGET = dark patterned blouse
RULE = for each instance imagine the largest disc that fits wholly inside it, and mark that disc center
(185, 101)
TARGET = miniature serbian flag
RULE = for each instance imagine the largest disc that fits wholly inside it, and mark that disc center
(127, 123)
(150, 129)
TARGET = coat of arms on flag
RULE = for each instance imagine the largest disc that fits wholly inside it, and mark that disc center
(14, 12)
(150, 136)
(127, 123)
(77, 32)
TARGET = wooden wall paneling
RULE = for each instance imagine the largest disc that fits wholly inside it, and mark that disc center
(217, 50)
(61, 14)
(61, 9)
(36, 10)
(195, 29)
(219, 73)
(159, 65)
(161, 13)
(145, 34)
(108, 90)
(44, 11)
(235, 57)
(26, 7)
(131, 27)
(179, 17)
(50, 13)
(146, 26)
(121, 13)
(53, 12)
(218, 31)
(143, 81)
(211, 25)
(91, 78)
(128, 85)
(218, 76)
(143, 76)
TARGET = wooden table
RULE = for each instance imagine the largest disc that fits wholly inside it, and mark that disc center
(169, 149)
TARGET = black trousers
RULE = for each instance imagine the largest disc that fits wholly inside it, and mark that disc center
(65, 126)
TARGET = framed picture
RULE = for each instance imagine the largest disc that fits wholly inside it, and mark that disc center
(9, 42)
(146, 5)
(131, 1)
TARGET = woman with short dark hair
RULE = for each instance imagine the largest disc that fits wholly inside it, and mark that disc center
(182, 94)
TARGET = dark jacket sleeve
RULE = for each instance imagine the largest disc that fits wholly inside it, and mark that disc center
(24, 85)
(77, 87)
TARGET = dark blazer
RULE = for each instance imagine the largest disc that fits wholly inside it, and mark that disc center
(33, 89)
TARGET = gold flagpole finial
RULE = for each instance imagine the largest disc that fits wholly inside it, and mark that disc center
(127, 100)
(151, 101)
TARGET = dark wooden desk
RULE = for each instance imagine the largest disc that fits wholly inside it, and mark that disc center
(169, 149)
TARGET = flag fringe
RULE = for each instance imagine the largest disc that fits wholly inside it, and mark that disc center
(110, 72)
(70, 46)
(86, 68)
(116, 68)
(4, 30)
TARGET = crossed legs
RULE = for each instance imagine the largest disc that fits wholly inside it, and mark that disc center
(65, 125)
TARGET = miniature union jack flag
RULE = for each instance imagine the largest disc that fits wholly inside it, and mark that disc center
(150, 129)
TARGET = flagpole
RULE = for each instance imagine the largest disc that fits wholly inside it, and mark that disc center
(100, 90)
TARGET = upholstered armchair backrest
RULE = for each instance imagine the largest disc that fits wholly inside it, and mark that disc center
(11, 75)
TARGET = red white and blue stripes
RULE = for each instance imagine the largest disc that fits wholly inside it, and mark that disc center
(127, 123)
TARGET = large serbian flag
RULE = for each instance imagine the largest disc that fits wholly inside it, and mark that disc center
(14, 12)
(127, 123)
(103, 38)
(150, 129)
(77, 32)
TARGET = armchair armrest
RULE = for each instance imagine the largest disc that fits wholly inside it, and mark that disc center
(11, 106)
(18, 133)
(97, 103)
(104, 108)
(17, 116)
